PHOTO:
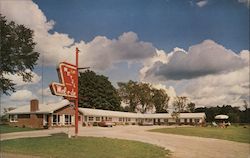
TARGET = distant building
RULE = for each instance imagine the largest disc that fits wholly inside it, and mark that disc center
(63, 114)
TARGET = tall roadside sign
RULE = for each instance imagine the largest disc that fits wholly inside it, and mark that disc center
(68, 86)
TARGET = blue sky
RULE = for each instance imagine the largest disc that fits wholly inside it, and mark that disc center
(165, 23)
(173, 44)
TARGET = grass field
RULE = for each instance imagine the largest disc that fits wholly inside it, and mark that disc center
(59, 146)
(232, 133)
(10, 129)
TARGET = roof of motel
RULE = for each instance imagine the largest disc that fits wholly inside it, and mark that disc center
(43, 108)
(98, 112)
(50, 108)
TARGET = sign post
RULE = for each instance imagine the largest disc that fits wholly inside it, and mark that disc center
(76, 100)
(68, 86)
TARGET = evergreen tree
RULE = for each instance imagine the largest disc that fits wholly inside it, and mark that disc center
(96, 91)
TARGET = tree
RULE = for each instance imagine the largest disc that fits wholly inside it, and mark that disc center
(16, 53)
(137, 95)
(96, 91)
(179, 104)
(245, 104)
(191, 107)
(129, 94)
(160, 100)
(145, 97)
(5, 117)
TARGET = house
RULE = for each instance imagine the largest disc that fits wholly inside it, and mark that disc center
(43, 115)
(63, 114)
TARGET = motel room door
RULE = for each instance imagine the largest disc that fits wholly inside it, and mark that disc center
(80, 120)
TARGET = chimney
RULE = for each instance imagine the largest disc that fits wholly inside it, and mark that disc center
(34, 105)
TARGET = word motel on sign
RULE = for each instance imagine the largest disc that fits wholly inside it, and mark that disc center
(68, 75)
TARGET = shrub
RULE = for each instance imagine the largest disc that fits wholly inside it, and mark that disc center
(95, 124)
(133, 123)
(126, 123)
(101, 124)
(83, 124)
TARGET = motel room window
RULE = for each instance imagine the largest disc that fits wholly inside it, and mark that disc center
(197, 120)
(24, 116)
(185, 120)
(120, 119)
(13, 118)
(128, 119)
(97, 119)
(67, 119)
(91, 118)
(191, 120)
(110, 119)
(56, 119)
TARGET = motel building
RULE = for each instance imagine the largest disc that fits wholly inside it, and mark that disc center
(62, 114)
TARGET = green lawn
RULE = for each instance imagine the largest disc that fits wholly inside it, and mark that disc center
(232, 133)
(59, 146)
(9, 129)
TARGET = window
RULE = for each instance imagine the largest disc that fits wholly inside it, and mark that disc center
(191, 120)
(128, 119)
(67, 119)
(197, 120)
(166, 120)
(97, 119)
(13, 118)
(120, 119)
(56, 119)
(91, 118)
(110, 119)
(24, 116)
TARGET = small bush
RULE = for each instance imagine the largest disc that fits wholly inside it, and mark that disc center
(133, 123)
(95, 124)
(101, 124)
(126, 123)
(83, 124)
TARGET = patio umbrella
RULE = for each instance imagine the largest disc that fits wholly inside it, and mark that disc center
(221, 117)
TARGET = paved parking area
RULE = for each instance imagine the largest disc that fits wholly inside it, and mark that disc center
(181, 146)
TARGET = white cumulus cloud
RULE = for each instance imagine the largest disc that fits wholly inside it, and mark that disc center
(18, 80)
(202, 59)
(22, 95)
(100, 53)
(247, 2)
(202, 3)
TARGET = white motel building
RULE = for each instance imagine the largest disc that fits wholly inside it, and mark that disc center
(60, 114)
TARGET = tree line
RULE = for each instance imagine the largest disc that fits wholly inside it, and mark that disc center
(235, 114)
(96, 91)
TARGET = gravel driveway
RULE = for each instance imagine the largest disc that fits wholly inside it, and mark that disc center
(181, 146)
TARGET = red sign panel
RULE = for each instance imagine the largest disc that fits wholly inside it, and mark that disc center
(68, 75)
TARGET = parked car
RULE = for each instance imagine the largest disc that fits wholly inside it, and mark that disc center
(106, 124)
(146, 124)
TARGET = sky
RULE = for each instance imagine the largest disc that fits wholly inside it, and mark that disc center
(198, 49)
